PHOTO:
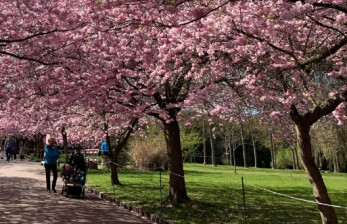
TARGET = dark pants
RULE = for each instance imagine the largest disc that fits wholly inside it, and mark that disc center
(104, 153)
(8, 154)
(48, 168)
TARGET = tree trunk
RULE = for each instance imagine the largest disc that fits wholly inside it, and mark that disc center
(213, 155)
(230, 153)
(40, 145)
(204, 142)
(319, 189)
(114, 166)
(254, 151)
(177, 189)
(336, 162)
(234, 148)
(65, 144)
(120, 143)
(297, 158)
(273, 157)
(293, 157)
(36, 142)
(226, 147)
(316, 157)
(243, 146)
(113, 156)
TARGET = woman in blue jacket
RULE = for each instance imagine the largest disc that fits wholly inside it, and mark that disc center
(51, 157)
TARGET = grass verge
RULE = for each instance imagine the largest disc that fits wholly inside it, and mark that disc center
(216, 194)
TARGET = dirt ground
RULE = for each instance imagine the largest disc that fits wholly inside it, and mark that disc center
(23, 199)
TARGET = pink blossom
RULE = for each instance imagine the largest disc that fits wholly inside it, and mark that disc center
(188, 123)
(275, 114)
(339, 113)
(341, 18)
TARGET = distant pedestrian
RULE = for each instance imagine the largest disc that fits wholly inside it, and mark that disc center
(10, 144)
(2, 149)
(104, 149)
(22, 150)
(15, 150)
(51, 156)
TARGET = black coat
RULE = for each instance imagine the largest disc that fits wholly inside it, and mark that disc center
(77, 161)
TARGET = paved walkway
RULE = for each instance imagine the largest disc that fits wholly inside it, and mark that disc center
(23, 199)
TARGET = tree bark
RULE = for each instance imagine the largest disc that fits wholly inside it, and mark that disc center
(113, 156)
(319, 189)
(293, 157)
(204, 142)
(65, 144)
(40, 145)
(303, 124)
(213, 155)
(272, 151)
(230, 153)
(336, 163)
(120, 143)
(254, 151)
(297, 158)
(273, 157)
(234, 148)
(177, 189)
(243, 146)
(226, 147)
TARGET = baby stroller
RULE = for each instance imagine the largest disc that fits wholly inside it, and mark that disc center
(74, 180)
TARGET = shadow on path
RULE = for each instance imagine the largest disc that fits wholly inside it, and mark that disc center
(25, 200)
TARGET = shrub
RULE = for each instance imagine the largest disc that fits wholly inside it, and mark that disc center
(147, 153)
(284, 159)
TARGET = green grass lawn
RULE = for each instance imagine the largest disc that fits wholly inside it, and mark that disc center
(216, 194)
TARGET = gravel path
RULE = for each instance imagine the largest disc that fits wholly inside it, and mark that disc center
(23, 199)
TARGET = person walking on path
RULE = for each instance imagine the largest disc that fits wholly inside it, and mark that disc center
(10, 145)
(15, 150)
(2, 150)
(77, 161)
(51, 156)
(104, 149)
(22, 150)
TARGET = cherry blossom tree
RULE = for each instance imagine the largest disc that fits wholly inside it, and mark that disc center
(289, 51)
(159, 57)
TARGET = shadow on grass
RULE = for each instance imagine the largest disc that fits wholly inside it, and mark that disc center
(218, 199)
(265, 207)
(261, 206)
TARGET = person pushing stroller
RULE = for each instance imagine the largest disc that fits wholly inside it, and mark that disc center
(75, 170)
(77, 161)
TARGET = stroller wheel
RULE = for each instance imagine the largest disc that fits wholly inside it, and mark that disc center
(82, 193)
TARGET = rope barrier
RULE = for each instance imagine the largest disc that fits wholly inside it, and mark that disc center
(264, 189)
(153, 169)
(299, 199)
(173, 173)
